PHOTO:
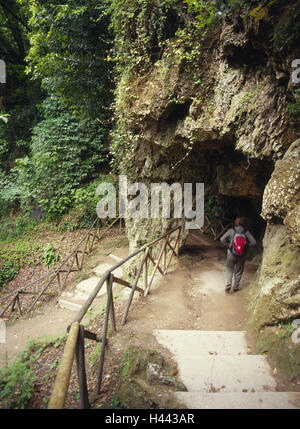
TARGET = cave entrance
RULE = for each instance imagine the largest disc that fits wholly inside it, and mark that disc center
(234, 186)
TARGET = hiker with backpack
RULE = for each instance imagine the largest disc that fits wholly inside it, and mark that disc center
(237, 240)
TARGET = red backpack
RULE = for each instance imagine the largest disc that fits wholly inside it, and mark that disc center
(239, 243)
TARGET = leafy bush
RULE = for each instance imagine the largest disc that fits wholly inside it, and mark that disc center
(10, 192)
(18, 379)
(50, 257)
(11, 229)
(65, 153)
(69, 44)
(16, 385)
(7, 273)
(84, 202)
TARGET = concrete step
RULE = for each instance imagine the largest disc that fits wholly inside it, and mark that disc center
(70, 305)
(87, 286)
(194, 343)
(226, 373)
(75, 299)
(120, 253)
(230, 400)
(212, 361)
(101, 268)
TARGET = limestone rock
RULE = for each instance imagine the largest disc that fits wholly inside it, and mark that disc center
(278, 283)
(282, 194)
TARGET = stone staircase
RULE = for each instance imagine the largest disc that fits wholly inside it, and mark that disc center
(74, 300)
(219, 374)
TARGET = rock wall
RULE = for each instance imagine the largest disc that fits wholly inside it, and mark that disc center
(224, 121)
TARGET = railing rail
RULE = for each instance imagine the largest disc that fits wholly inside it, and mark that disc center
(73, 262)
(215, 226)
(77, 332)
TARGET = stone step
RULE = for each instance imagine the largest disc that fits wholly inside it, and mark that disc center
(120, 253)
(69, 305)
(231, 400)
(226, 373)
(194, 343)
(102, 268)
(115, 258)
(87, 286)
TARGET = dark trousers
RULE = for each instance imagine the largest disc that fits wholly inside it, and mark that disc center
(234, 266)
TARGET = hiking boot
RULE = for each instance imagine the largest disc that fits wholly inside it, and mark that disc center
(227, 288)
(236, 289)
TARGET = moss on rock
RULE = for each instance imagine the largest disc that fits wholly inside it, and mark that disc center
(145, 380)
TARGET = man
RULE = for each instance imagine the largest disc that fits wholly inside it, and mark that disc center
(237, 240)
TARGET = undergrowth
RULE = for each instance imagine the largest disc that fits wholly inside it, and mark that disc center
(17, 381)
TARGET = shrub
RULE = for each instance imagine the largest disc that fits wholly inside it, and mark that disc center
(65, 153)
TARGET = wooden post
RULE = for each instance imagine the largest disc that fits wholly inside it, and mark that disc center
(19, 305)
(77, 261)
(62, 380)
(102, 354)
(134, 288)
(80, 363)
(58, 282)
(109, 283)
(146, 268)
(165, 255)
(156, 266)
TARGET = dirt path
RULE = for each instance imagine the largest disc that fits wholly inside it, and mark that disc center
(190, 297)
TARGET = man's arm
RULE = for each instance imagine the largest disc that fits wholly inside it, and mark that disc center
(251, 239)
(226, 238)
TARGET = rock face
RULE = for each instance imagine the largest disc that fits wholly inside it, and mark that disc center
(282, 197)
(222, 119)
(278, 280)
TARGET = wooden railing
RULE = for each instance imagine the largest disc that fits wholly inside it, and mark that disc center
(72, 263)
(77, 333)
(216, 226)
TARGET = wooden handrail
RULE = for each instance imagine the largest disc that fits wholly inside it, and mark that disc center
(108, 277)
(48, 278)
(62, 380)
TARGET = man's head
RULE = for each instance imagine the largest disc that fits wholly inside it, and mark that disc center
(240, 221)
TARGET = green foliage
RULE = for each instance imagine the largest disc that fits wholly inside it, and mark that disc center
(17, 381)
(204, 11)
(65, 152)
(17, 247)
(286, 31)
(16, 385)
(7, 273)
(49, 257)
(4, 117)
(10, 228)
(69, 43)
(140, 28)
(294, 108)
(10, 193)
(95, 354)
(213, 207)
(21, 94)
